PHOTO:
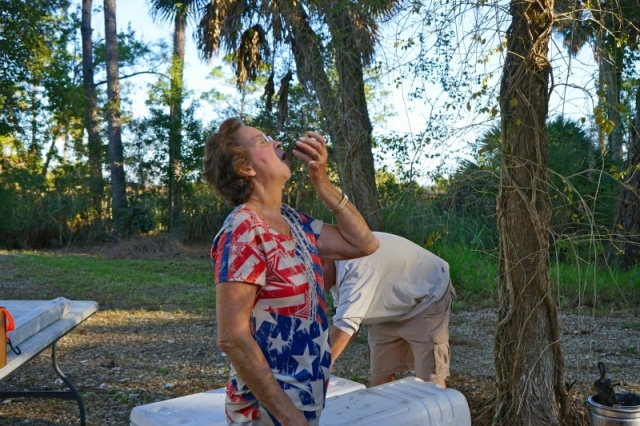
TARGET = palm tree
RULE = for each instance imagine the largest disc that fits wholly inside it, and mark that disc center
(344, 107)
(354, 32)
(177, 11)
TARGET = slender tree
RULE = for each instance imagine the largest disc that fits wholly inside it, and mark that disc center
(116, 160)
(612, 28)
(609, 55)
(528, 357)
(178, 12)
(91, 121)
(175, 130)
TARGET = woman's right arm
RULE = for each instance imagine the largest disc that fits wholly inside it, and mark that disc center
(352, 236)
(234, 302)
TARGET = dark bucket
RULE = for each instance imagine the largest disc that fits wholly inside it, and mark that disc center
(628, 414)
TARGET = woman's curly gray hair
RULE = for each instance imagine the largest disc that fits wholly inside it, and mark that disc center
(224, 157)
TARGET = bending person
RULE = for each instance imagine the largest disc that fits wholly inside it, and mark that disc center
(270, 311)
(404, 293)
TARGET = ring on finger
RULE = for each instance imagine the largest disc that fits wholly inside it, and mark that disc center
(310, 162)
(315, 156)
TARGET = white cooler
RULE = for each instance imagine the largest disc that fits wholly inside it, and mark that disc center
(207, 408)
(404, 402)
(31, 316)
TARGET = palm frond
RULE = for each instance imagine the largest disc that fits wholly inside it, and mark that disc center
(252, 52)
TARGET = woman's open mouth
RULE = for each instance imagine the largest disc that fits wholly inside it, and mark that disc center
(283, 158)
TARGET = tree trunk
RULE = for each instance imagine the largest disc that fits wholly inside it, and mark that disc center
(305, 45)
(175, 131)
(35, 110)
(602, 138)
(613, 79)
(50, 153)
(311, 73)
(528, 357)
(116, 166)
(354, 152)
(613, 56)
(628, 214)
(91, 122)
(610, 72)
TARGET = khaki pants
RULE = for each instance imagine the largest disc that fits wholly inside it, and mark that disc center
(420, 343)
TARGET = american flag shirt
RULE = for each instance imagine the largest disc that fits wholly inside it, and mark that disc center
(289, 317)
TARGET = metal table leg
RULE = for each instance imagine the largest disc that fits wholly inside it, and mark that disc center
(72, 393)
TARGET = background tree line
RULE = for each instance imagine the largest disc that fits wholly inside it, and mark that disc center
(59, 100)
(79, 166)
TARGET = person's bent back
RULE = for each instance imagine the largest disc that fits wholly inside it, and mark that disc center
(404, 293)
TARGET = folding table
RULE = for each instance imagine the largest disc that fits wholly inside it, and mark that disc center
(44, 338)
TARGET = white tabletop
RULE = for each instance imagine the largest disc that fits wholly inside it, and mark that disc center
(79, 312)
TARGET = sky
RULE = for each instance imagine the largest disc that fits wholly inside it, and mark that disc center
(136, 14)
(410, 116)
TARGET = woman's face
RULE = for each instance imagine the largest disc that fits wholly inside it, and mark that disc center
(267, 155)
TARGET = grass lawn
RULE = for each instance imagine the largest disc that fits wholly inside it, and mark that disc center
(126, 284)
(184, 281)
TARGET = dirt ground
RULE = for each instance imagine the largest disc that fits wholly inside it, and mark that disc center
(122, 359)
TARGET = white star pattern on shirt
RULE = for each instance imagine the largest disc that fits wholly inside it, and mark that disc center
(320, 340)
(304, 325)
(277, 344)
(304, 361)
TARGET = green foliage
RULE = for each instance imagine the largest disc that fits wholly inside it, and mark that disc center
(583, 191)
(39, 93)
(474, 274)
(21, 206)
(147, 159)
(471, 200)
(203, 214)
(582, 186)
(52, 212)
(581, 284)
(27, 32)
(47, 196)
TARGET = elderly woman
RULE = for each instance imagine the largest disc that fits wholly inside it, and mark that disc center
(270, 309)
